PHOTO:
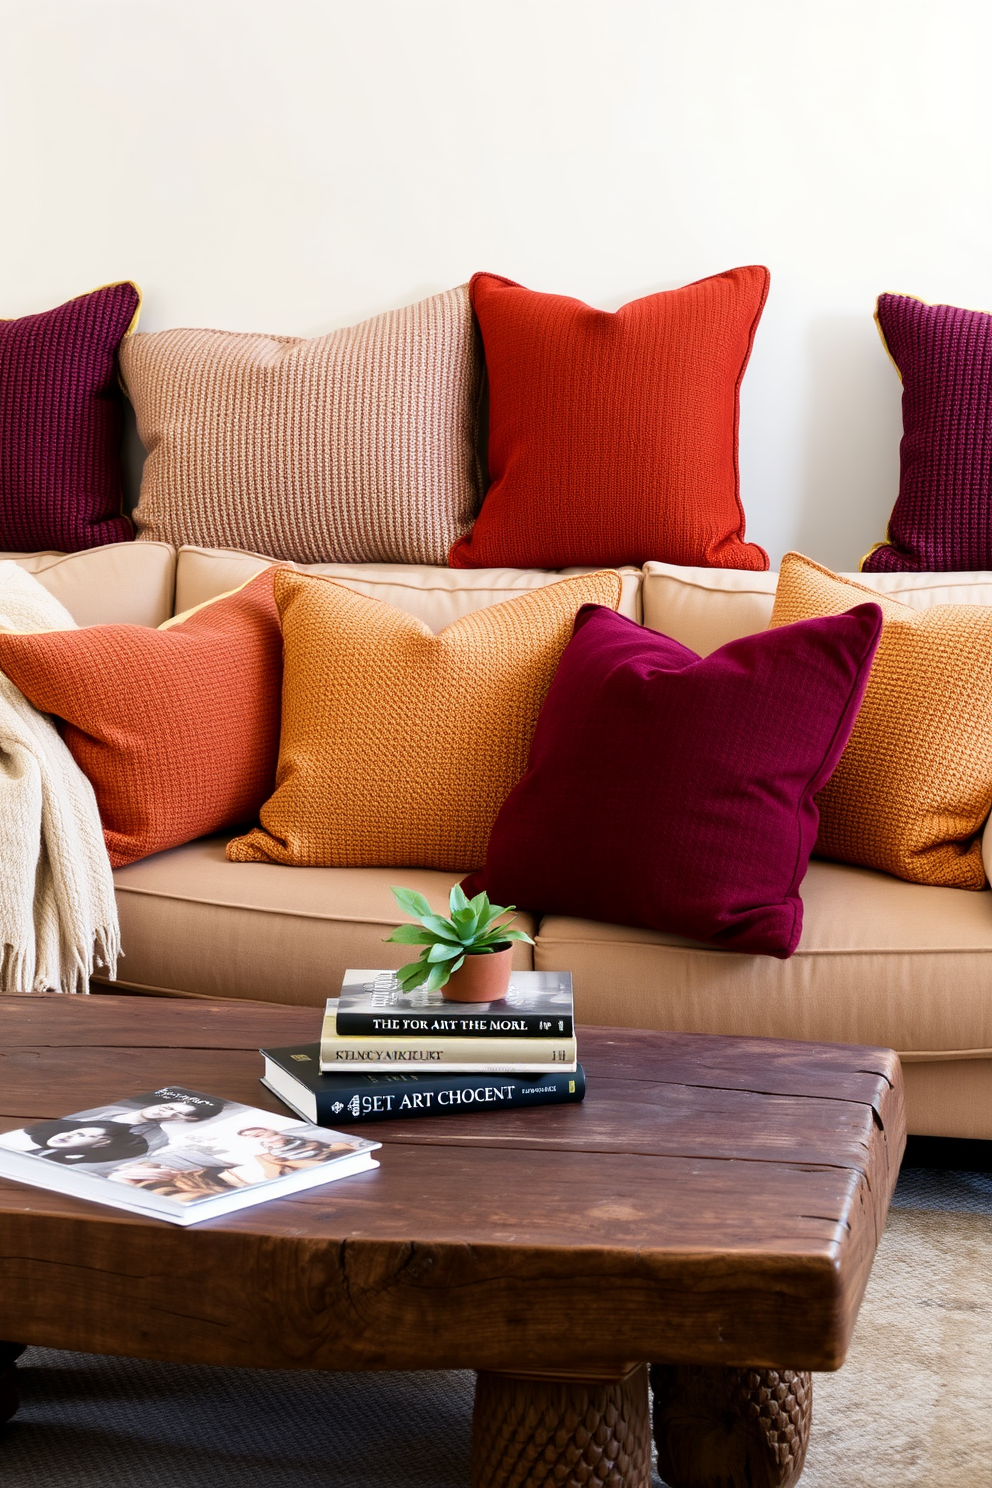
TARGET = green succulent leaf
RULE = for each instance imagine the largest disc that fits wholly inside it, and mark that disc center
(410, 935)
(465, 921)
(441, 952)
(412, 975)
(411, 902)
(438, 976)
(439, 929)
(457, 900)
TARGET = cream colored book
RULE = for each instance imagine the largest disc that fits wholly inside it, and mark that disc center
(466, 1056)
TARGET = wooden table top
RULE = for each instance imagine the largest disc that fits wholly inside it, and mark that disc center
(712, 1201)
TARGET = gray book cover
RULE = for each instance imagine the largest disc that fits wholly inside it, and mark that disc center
(537, 1005)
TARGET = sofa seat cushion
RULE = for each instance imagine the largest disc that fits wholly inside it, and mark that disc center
(880, 961)
(193, 924)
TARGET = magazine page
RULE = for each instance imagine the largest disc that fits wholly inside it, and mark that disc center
(182, 1145)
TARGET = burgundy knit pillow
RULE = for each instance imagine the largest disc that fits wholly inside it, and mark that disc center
(60, 424)
(677, 793)
(942, 519)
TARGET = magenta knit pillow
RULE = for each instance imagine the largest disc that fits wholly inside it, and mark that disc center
(60, 424)
(942, 519)
(676, 792)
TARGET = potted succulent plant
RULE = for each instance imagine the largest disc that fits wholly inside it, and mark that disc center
(467, 956)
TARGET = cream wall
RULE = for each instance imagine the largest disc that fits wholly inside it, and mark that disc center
(292, 165)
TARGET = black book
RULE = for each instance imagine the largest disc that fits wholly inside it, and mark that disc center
(294, 1076)
(372, 1004)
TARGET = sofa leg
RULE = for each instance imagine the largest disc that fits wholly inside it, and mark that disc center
(9, 1395)
(730, 1428)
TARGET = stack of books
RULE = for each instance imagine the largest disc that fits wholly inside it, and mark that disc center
(385, 1053)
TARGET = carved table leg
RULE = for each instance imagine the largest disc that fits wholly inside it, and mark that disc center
(9, 1396)
(533, 1432)
(730, 1428)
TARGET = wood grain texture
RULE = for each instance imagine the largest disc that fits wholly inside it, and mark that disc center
(712, 1202)
(561, 1434)
(729, 1428)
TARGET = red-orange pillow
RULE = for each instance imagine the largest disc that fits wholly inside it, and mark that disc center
(613, 437)
(176, 728)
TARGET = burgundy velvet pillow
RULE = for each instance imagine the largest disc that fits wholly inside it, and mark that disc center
(942, 519)
(60, 424)
(676, 792)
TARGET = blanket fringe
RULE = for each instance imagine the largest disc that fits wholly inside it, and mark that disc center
(17, 969)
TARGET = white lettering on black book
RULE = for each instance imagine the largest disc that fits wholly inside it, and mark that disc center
(294, 1075)
(493, 1055)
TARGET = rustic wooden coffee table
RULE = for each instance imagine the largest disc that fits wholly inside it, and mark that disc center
(712, 1210)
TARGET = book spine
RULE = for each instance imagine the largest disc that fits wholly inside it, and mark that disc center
(445, 1095)
(450, 1067)
(403, 1024)
(482, 1054)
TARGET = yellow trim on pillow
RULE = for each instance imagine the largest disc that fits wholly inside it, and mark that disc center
(885, 543)
(886, 540)
(113, 283)
(881, 336)
(206, 603)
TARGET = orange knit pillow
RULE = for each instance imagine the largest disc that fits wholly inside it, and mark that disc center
(176, 728)
(613, 436)
(914, 784)
(399, 746)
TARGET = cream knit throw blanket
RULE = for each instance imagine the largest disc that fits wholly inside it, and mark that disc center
(57, 907)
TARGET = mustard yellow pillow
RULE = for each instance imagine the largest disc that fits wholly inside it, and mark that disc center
(399, 746)
(914, 784)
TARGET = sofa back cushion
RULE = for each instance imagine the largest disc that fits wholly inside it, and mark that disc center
(704, 608)
(399, 746)
(125, 583)
(914, 785)
(437, 596)
(354, 447)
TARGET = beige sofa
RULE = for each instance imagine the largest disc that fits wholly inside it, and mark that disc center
(880, 961)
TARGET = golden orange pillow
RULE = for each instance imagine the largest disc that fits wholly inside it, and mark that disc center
(914, 785)
(399, 746)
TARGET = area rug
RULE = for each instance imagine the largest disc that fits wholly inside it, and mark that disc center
(910, 1408)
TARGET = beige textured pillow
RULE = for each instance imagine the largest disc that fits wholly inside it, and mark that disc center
(355, 447)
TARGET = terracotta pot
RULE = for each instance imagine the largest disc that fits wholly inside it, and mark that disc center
(481, 978)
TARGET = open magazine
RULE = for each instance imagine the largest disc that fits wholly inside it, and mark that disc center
(180, 1155)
